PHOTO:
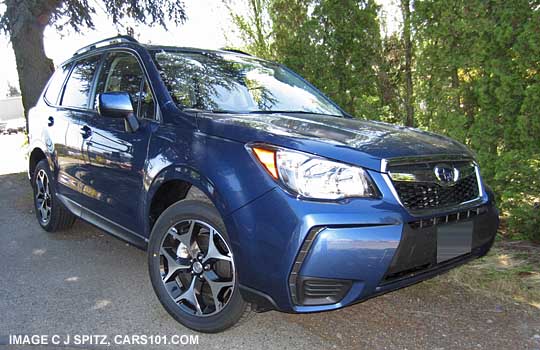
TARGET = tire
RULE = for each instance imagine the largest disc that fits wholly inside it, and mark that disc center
(183, 229)
(45, 201)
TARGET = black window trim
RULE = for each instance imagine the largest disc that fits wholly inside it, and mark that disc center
(92, 97)
(63, 90)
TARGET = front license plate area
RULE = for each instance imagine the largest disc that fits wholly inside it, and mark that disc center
(454, 240)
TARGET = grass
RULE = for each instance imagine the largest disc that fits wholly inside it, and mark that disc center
(510, 271)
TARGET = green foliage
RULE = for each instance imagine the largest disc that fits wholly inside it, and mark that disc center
(476, 77)
(336, 45)
(13, 91)
(346, 44)
(255, 29)
(79, 14)
(517, 183)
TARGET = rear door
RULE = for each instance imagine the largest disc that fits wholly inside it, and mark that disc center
(114, 158)
(74, 106)
(49, 123)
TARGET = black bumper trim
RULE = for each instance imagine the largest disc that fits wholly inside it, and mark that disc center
(413, 278)
(304, 250)
(417, 250)
(260, 301)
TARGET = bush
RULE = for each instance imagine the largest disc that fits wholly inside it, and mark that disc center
(517, 186)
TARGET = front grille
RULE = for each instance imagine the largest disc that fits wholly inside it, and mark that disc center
(420, 187)
(420, 196)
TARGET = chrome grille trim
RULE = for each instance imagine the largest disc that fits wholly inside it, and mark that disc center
(426, 174)
(386, 162)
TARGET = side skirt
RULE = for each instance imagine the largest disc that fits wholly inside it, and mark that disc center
(104, 224)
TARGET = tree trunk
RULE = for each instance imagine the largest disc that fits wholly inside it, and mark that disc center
(455, 88)
(406, 8)
(26, 24)
(33, 66)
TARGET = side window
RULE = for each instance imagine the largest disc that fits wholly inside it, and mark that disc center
(122, 72)
(79, 84)
(57, 80)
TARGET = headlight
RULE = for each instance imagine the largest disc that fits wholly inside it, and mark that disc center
(314, 177)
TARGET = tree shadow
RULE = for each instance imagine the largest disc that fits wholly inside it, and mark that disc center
(17, 202)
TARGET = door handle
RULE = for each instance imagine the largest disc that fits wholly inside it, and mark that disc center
(86, 132)
(51, 121)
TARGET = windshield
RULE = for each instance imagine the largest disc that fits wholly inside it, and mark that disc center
(237, 84)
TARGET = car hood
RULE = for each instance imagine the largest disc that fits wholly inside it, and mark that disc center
(361, 142)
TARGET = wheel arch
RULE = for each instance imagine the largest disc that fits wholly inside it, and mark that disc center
(175, 183)
(34, 157)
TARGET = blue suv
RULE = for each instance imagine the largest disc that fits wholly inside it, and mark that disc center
(250, 189)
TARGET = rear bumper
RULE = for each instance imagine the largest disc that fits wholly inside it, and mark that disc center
(291, 252)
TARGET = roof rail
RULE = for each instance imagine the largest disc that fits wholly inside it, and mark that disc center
(236, 51)
(109, 41)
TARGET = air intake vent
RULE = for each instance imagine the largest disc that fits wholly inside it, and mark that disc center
(321, 291)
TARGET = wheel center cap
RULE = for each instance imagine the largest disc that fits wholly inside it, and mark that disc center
(197, 267)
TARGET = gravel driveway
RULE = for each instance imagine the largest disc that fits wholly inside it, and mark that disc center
(85, 282)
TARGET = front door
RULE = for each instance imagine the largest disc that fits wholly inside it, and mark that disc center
(114, 157)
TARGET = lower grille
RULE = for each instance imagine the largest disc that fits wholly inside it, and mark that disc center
(445, 219)
(418, 248)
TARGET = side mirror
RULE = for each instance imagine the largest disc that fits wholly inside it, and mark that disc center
(114, 104)
(118, 105)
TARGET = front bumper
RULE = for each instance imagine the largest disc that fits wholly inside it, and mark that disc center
(291, 252)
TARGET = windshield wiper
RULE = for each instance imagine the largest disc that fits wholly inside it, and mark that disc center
(225, 111)
(295, 112)
(199, 110)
